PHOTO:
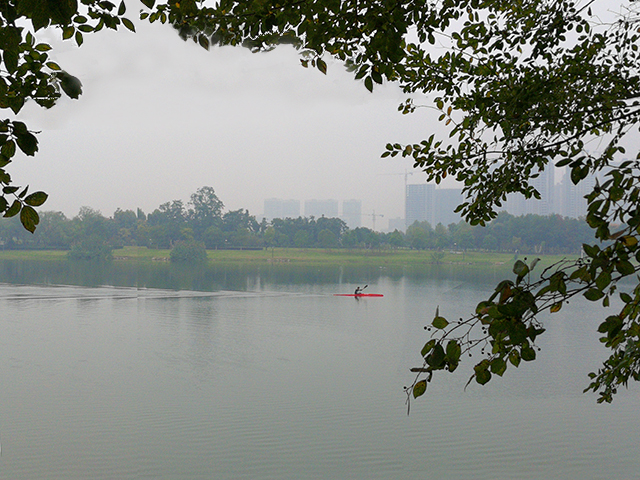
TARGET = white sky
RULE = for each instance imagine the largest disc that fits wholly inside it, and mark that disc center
(160, 118)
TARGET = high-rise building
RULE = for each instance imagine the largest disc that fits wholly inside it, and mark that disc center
(419, 203)
(319, 208)
(426, 203)
(446, 201)
(277, 208)
(352, 213)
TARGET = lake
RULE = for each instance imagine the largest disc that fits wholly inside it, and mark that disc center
(123, 371)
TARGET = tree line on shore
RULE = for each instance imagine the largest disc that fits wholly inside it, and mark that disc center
(91, 235)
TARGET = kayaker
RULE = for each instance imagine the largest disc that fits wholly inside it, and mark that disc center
(358, 291)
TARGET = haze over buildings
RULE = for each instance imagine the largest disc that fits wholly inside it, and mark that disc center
(427, 202)
(278, 208)
(321, 208)
(351, 211)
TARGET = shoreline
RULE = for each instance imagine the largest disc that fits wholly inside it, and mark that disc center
(310, 257)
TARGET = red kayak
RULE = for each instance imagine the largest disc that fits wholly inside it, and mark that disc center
(358, 295)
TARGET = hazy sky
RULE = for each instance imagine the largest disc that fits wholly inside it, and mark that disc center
(160, 118)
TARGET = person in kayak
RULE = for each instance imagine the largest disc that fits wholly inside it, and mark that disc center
(359, 290)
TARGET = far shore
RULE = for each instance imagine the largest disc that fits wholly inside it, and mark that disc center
(310, 256)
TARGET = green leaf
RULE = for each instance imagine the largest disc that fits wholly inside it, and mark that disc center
(13, 209)
(514, 357)
(625, 267)
(440, 322)
(122, 8)
(8, 149)
(436, 357)
(590, 250)
(28, 143)
(29, 218)
(419, 388)
(70, 84)
(428, 347)
(53, 66)
(368, 83)
(322, 66)
(19, 128)
(498, 366)
(520, 269)
(527, 353)
(5, 177)
(148, 3)
(611, 326)
(625, 297)
(361, 73)
(483, 375)
(36, 199)
(453, 351)
(603, 280)
(129, 24)
(67, 32)
(203, 40)
(593, 294)
(10, 58)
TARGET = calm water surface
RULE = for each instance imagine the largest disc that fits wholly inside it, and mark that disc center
(276, 378)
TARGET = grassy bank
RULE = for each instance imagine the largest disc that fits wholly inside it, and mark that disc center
(302, 256)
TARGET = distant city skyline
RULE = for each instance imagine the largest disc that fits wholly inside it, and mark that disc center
(436, 203)
(425, 202)
(431, 203)
(351, 211)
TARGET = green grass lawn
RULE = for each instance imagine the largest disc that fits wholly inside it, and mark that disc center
(301, 256)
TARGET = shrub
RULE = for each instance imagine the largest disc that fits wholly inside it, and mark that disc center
(91, 248)
(188, 251)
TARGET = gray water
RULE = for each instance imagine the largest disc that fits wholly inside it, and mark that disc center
(279, 379)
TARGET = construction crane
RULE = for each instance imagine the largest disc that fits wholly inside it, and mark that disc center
(373, 217)
(406, 177)
(406, 181)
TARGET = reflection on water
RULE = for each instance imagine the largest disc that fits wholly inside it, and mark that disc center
(221, 276)
(261, 373)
